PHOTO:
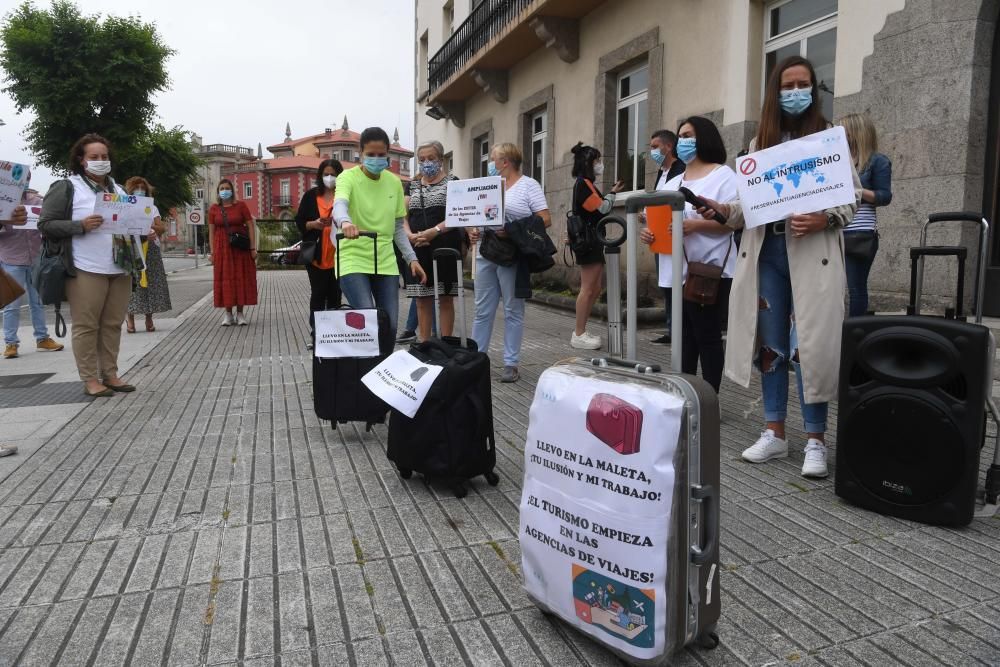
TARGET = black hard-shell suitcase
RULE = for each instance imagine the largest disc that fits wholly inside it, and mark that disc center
(338, 393)
(620, 509)
(451, 436)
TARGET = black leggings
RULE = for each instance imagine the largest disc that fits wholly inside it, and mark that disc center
(703, 337)
(324, 291)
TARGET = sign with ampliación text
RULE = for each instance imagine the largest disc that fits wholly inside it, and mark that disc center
(475, 202)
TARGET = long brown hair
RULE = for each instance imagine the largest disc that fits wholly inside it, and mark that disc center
(774, 122)
(79, 148)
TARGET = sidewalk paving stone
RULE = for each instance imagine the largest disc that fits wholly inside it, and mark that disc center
(211, 519)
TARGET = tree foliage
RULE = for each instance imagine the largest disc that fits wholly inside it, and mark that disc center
(80, 73)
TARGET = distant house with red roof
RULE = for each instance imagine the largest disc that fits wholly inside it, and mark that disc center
(272, 188)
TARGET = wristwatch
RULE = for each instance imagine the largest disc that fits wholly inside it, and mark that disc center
(437, 228)
(830, 221)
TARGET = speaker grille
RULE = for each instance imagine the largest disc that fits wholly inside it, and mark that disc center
(957, 388)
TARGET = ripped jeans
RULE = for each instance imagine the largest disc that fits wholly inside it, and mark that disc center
(778, 338)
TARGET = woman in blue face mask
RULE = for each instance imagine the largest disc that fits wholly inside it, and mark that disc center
(427, 232)
(370, 198)
(787, 300)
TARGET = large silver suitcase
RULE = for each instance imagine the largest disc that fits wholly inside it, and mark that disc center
(620, 509)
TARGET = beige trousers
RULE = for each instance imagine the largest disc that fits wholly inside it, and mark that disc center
(97, 304)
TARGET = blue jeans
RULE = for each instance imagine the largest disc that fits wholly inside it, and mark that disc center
(367, 291)
(494, 282)
(778, 338)
(12, 312)
(858, 269)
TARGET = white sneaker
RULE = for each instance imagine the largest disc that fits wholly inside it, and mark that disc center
(227, 320)
(815, 461)
(766, 448)
(241, 319)
(585, 342)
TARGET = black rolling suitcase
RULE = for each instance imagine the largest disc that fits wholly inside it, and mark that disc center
(338, 393)
(451, 436)
(620, 508)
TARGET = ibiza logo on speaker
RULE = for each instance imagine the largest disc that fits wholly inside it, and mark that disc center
(616, 423)
(901, 489)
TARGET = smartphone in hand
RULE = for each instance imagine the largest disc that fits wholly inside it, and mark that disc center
(698, 202)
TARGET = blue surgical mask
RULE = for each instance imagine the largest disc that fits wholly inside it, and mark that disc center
(376, 165)
(430, 168)
(687, 149)
(795, 102)
(139, 193)
(491, 169)
(657, 156)
(225, 194)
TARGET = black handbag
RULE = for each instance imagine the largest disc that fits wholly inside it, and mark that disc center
(497, 250)
(48, 275)
(860, 245)
(307, 252)
(237, 240)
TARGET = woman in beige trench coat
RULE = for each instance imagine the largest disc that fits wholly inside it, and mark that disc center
(787, 300)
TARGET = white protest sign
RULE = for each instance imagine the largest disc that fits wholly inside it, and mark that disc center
(13, 181)
(34, 212)
(475, 202)
(402, 381)
(596, 506)
(195, 215)
(124, 214)
(801, 176)
(346, 333)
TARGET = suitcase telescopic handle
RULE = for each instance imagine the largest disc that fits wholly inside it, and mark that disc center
(637, 366)
(371, 235)
(916, 255)
(979, 286)
(709, 551)
(456, 256)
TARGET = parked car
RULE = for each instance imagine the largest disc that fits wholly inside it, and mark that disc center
(287, 255)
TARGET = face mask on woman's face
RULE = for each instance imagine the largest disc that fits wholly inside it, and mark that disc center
(430, 168)
(329, 180)
(687, 149)
(376, 165)
(598, 169)
(139, 193)
(657, 156)
(794, 102)
(225, 194)
(491, 169)
(99, 167)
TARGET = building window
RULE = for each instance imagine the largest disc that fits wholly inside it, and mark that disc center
(404, 165)
(285, 190)
(247, 190)
(536, 155)
(423, 62)
(199, 193)
(345, 155)
(631, 127)
(448, 22)
(483, 152)
(806, 28)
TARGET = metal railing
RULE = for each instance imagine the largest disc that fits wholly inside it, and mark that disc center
(281, 201)
(487, 20)
(227, 148)
(277, 243)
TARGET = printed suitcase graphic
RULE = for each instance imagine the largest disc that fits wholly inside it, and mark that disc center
(616, 423)
(355, 320)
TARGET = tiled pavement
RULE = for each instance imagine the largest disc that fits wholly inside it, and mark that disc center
(211, 519)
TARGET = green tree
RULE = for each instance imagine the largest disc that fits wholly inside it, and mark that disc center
(80, 73)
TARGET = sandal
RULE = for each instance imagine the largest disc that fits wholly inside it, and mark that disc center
(130, 326)
(149, 323)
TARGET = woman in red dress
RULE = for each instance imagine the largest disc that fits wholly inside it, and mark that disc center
(235, 267)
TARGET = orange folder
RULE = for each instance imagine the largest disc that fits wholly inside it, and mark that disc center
(659, 219)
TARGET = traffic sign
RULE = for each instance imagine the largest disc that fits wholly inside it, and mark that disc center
(195, 215)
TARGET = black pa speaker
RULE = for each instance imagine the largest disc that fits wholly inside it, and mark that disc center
(912, 416)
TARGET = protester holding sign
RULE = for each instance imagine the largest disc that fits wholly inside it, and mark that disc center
(151, 295)
(100, 268)
(427, 231)
(706, 242)
(523, 197)
(861, 236)
(232, 237)
(19, 248)
(787, 301)
(314, 219)
(370, 199)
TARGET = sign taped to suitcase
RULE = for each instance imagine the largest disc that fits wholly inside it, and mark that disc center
(596, 507)
(346, 334)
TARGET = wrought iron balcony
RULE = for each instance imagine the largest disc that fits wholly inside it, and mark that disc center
(281, 201)
(497, 35)
(229, 149)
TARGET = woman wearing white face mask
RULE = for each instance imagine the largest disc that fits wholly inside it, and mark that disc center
(427, 232)
(590, 206)
(100, 267)
(314, 219)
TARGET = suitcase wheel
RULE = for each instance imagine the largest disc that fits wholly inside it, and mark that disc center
(405, 473)
(333, 424)
(368, 427)
(708, 639)
(458, 488)
(492, 478)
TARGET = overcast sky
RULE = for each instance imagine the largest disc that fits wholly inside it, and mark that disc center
(244, 69)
